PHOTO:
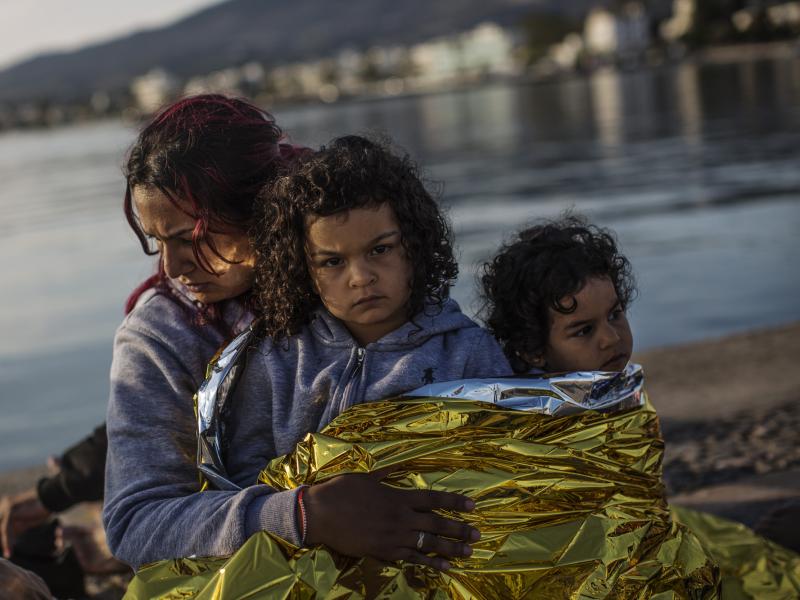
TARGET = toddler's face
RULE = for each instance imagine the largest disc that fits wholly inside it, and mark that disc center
(595, 337)
(359, 268)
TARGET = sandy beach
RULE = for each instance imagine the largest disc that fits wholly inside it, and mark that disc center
(730, 411)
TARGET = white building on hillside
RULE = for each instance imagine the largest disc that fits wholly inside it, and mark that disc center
(681, 21)
(154, 89)
(624, 33)
(600, 32)
(488, 49)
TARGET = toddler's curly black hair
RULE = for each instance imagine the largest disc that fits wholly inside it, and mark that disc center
(536, 270)
(349, 173)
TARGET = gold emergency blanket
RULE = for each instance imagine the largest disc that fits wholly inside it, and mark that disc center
(568, 507)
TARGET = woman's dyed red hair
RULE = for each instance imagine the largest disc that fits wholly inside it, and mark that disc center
(209, 155)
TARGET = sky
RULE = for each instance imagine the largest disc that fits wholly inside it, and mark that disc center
(30, 27)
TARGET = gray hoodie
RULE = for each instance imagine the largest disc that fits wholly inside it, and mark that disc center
(286, 391)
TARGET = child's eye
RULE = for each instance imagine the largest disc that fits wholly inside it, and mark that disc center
(616, 314)
(332, 262)
(583, 331)
(381, 249)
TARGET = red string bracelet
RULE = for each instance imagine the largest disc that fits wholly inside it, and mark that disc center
(303, 522)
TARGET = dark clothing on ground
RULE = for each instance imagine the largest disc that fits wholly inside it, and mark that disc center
(81, 476)
(782, 525)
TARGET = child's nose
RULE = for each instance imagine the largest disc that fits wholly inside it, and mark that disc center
(609, 336)
(361, 274)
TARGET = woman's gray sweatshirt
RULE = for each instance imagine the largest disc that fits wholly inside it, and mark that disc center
(152, 509)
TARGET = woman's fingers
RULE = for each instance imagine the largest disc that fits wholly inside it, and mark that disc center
(383, 473)
(416, 557)
(357, 515)
(444, 527)
(434, 544)
(427, 500)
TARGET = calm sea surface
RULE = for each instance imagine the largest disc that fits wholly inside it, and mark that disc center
(696, 168)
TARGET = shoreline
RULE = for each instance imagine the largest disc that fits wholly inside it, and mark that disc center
(715, 54)
(707, 391)
(724, 377)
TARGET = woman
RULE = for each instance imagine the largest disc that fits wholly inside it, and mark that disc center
(193, 175)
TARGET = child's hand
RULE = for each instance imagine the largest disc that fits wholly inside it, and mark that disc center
(357, 515)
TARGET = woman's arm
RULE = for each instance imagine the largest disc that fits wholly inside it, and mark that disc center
(153, 510)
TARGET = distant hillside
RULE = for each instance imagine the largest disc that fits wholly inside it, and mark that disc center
(273, 31)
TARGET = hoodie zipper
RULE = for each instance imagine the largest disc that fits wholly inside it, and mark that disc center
(349, 389)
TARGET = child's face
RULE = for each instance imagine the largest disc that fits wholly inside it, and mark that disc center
(359, 268)
(595, 337)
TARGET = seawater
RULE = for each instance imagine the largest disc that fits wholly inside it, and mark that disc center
(695, 168)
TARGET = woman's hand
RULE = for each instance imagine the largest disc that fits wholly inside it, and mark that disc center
(18, 514)
(357, 515)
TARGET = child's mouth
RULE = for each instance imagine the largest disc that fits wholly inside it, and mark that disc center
(615, 363)
(367, 300)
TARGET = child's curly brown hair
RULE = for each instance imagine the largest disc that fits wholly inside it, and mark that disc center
(542, 265)
(351, 172)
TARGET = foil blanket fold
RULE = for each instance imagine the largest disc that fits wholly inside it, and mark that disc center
(569, 507)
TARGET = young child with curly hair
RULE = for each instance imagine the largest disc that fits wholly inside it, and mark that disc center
(354, 263)
(556, 296)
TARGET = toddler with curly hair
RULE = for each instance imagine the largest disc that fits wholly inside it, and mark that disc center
(556, 296)
(354, 263)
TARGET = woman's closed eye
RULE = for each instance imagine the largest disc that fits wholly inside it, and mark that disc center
(154, 242)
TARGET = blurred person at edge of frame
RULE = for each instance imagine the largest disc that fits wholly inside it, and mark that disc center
(17, 583)
(32, 538)
(556, 297)
(192, 176)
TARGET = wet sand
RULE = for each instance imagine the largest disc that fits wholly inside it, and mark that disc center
(724, 377)
(730, 412)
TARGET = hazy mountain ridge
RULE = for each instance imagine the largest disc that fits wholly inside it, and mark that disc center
(273, 31)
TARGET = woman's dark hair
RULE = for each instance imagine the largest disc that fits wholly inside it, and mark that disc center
(209, 155)
(535, 271)
(351, 172)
